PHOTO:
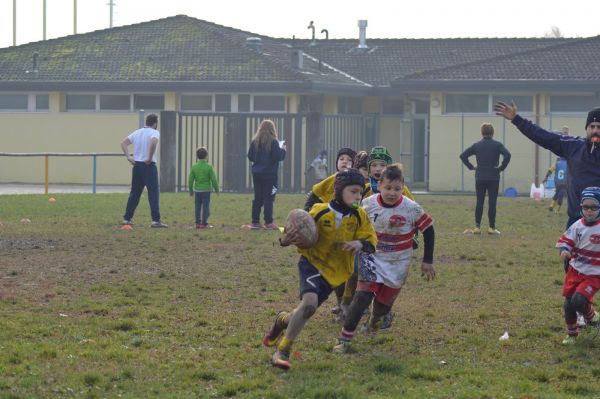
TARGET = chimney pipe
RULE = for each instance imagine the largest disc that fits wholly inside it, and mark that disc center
(362, 37)
(297, 58)
(35, 61)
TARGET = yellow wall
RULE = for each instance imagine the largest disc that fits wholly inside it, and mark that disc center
(330, 105)
(449, 135)
(371, 105)
(65, 132)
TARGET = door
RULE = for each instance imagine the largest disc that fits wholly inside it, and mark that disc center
(420, 150)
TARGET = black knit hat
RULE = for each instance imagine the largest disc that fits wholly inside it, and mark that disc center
(347, 177)
(345, 151)
(593, 116)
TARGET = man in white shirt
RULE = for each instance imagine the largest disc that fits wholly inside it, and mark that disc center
(144, 172)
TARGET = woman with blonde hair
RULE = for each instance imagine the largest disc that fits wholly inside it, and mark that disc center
(265, 153)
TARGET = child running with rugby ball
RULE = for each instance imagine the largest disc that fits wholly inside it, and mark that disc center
(382, 274)
(343, 229)
(580, 245)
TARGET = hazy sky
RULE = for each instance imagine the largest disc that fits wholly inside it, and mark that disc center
(284, 18)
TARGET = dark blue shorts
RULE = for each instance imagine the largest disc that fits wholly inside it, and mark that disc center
(312, 281)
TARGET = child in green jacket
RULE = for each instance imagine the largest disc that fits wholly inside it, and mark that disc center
(201, 181)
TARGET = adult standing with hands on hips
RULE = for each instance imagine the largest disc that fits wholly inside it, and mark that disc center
(265, 153)
(487, 152)
(144, 173)
(582, 153)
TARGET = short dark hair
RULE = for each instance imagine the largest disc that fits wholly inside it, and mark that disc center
(487, 130)
(201, 153)
(151, 119)
(393, 172)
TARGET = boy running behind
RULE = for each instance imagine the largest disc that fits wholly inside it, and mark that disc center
(343, 229)
(382, 274)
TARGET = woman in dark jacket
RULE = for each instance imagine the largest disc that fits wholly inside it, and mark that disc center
(487, 152)
(265, 153)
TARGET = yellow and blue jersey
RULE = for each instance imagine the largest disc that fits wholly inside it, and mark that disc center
(327, 256)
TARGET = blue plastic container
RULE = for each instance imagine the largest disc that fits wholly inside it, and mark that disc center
(511, 192)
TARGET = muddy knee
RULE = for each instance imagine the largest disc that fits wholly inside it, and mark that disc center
(308, 311)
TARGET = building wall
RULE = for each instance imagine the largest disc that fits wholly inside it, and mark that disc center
(65, 132)
(451, 134)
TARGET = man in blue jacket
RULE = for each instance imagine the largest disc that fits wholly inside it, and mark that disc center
(582, 154)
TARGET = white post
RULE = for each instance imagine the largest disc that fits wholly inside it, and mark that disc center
(44, 19)
(74, 17)
(14, 22)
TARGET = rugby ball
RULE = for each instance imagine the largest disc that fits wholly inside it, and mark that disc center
(300, 229)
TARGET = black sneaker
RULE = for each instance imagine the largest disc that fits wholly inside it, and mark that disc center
(158, 224)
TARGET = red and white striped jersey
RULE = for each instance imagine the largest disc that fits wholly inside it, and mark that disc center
(584, 243)
(395, 227)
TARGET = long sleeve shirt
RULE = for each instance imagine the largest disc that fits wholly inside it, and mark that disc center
(487, 153)
(583, 159)
(265, 163)
(202, 177)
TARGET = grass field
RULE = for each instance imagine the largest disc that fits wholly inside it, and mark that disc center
(88, 310)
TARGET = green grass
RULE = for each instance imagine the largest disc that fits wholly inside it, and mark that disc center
(89, 310)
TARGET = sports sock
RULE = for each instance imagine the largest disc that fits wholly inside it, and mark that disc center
(572, 327)
(346, 335)
(284, 345)
(589, 314)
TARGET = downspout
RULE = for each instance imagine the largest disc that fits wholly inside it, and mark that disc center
(537, 148)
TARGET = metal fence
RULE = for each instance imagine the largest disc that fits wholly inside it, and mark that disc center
(47, 155)
(227, 138)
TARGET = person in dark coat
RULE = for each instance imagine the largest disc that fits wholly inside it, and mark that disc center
(582, 153)
(487, 153)
(265, 153)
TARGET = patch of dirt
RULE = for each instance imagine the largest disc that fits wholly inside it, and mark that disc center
(27, 244)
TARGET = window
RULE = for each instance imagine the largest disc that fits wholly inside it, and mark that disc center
(79, 102)
(349, 105)
(115, 102)
(573, 103)
(42, 102)
(13, 102)
(467, 103)
(393, 107)
(244, 103)
(523, 103)
(149, 102)
(196, 102)
(269, 103)
(223, 103)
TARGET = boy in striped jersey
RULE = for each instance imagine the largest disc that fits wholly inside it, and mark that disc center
(580, 244)
(382, 274)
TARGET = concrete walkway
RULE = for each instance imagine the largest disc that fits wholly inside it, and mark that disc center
(15, 188)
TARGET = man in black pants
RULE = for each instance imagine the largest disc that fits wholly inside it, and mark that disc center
(487, 174)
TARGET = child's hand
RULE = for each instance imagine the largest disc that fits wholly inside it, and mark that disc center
(564, 254)
(427, 271)
(290, 237)
(353, 246)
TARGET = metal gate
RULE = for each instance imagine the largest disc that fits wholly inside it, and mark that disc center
(227, 138)
(359, 132)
